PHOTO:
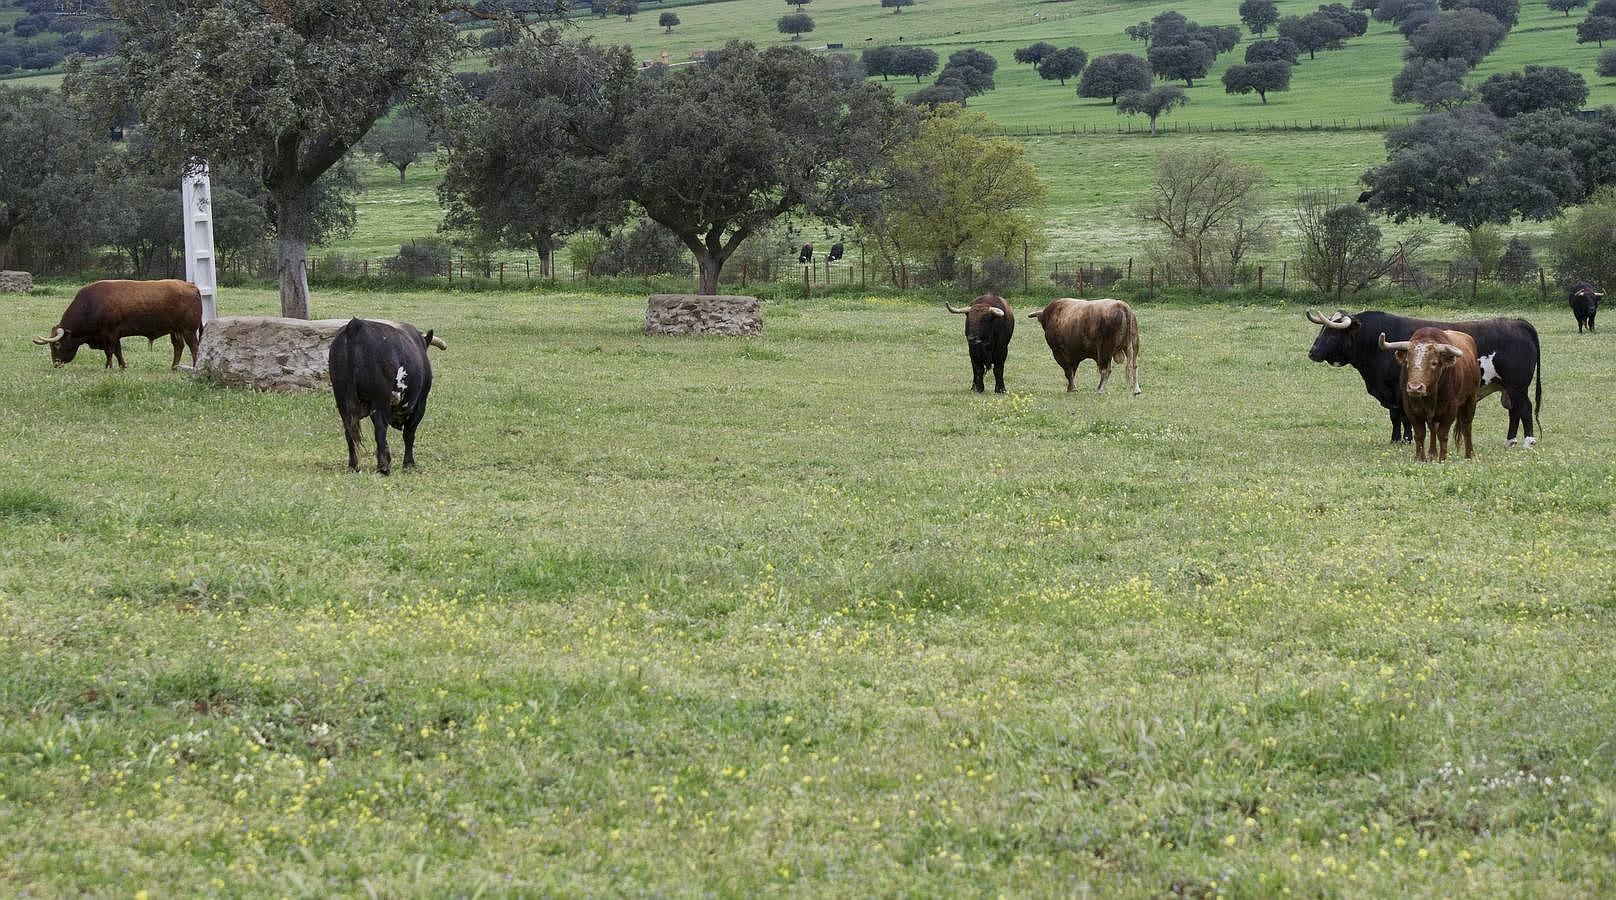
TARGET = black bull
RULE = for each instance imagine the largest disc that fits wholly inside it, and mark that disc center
(1507, 349)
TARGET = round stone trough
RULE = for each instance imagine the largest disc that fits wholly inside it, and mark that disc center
(703, 314)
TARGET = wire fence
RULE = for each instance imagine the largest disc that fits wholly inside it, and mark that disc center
(1131, 126)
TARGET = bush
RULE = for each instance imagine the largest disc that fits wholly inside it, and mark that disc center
(1517, 265)
(584, 251)
(419, 259)
(999, 274)
(1582, 241)
(1484, 247)
(647, 248)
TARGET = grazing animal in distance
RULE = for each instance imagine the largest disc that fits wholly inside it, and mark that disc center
(836, 251)
(103, 313)
(1105, 331)
(989, 324)
(1367, 196)
(380, 371)
(806, 254)
(1585, 304)
(1508, 351)
(1440, 378)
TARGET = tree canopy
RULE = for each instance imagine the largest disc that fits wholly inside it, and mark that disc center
(49, 163)
(796, 24)
(1114, 74)
(916, 61)
(1508, 94)
(1596, 30)
(1152, 104)
(1506, 11)
(1279, 49)
(1187, 61)
(1034, 53)
(1312, 33)
(1466, 34)
(1258, 77)
(1432, 83)
(1259, 15)
(1065, 63)
(400, 141)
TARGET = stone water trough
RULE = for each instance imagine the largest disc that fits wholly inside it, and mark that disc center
(699, 314)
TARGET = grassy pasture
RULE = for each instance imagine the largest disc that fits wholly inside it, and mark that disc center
(800, 614)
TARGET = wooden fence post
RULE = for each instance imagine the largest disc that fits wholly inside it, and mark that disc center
(1542, 287)
(1150, 285)
(1259, 279)
(1284, 271)
(743, 274)
(1475, 280)
(501, 274)
(1026, 258)
(807, 289)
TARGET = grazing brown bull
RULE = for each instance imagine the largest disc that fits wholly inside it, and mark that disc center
(1105, 331)
(1440, 380)
(103, 313)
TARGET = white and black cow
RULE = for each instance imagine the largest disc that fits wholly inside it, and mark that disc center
(380, 371)
(1507, 350)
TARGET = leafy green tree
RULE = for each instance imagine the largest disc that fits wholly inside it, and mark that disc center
(667, 20)
(1566, 6)
(1506, 11)
(976, 59)
(798, 3)
(1257, 77)
(1065, 63)
(1456, 167)
(49, 162)
(916, 61)
(1312, 33)
(1113, 75)
(1466, 34)
(1340, 245)
(1590, 142)
(957, 190)
(1152, 104)
(1582, 240)
(1508, 94)
(1259, 15)
(896, 5)
(1399, 11)
(1356, 23)
(1202, 201)
(1606, 66)
(796, 24)
(1596, 30)
(1186, 61)
(287, 88)
(399, 142)
(942, 93)
(1432, 83)
(1034, 53)
(1138, 33)
(1277, 50)
(878, 61)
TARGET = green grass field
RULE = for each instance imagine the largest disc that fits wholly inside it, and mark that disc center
(800, 615)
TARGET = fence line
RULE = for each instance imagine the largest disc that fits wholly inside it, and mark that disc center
(1133, 127)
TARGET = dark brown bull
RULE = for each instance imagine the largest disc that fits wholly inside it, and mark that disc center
(1105, 331)
(1440, 381)
(103, 313)
(989, 325)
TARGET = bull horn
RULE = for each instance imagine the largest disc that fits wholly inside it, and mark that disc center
(1345, 321)
(1316, 317)
(957, 312)
(1450, 350)
(1393, 345)
(54, 336)
(996, 311)
(1035, 313)
(438, 343)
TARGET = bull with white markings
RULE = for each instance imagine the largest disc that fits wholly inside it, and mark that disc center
(380, 371)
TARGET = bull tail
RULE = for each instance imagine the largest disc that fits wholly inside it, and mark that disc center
(1129, 346)
(351, 426)
(1537, 401)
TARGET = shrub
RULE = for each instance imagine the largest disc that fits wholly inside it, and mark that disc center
(1517, 265)
(647, 248)
(421, 258)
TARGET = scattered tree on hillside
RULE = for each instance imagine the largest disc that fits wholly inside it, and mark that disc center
(1137, 33)
(916, 61)
(1455, 167)
(628, 8)
(1259, 15)
(896, 5)
(939, 94)
(288, 89)
(1506, 11)
(48, 159)
(1201, 200)
(1062, 64)
(958, 192)
(1566, 6)
(1582, 240)
(1259, 77)
(1174, 61)
(1432, 83)
(1033, 54)
(1113, 75)
(667, 20)
(1277, 50)
(1312, 33)
(1606, 66)
(1590, 142)
(1153, 104)
(878, 61)
(1341, 251)
(796, 24)
(399, 142)
(1596, 29)
(798, 3)
(1399, 11)
(1356, 23)
(976, 59)
(1465, 34)
(1509, 94)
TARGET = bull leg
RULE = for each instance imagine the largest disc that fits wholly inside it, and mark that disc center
(1591, 328)
(117, 349)
(179, 348)
(350, 431)
(1071, 374)
(109, 359)
(191, 341)
(998, 377)
(1133, 370)
(1398, 426)
(1105, 375)
(1441, 429)
(384, 457)
(976, 376)
(409, 440)
(1467, 419)
(1419, 440)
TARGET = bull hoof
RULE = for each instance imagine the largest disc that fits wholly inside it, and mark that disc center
(1529, 443)
(1509, 444)
(1138, 390)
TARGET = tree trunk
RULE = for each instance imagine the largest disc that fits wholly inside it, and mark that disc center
(401, 174)
(292, 207)
(709, 266)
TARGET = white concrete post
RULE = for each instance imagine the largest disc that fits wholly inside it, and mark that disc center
(201, 268)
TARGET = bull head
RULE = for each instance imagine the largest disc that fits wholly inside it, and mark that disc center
(1421, 373)
(1341, 321)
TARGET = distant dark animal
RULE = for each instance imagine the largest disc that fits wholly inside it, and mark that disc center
(1367, 196)
(1439, 380)
(103, 313)
(1506, 349)
(806, 254)
(380, 371)
(1105, 331)
(989, 324)
(835, 251)
(1585, 304)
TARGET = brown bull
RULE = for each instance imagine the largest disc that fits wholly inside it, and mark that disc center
(103, 313)
(1105, 331)
(1440, 380)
